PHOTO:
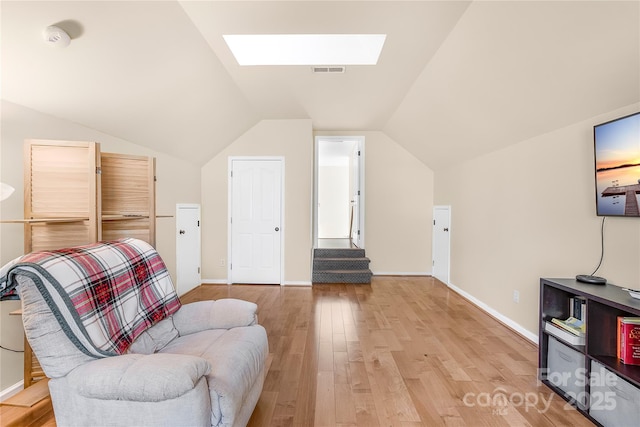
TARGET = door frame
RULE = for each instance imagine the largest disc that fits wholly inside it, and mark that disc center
(231, 159)
(446, 208)
(179, 207)
(359, 140)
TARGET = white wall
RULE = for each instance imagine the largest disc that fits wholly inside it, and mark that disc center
(398, 206)
(334, 208)
(528, 211)
(292, 139)
(399, 201)
(177, 182)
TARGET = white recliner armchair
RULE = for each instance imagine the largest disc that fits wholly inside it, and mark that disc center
(109, 331)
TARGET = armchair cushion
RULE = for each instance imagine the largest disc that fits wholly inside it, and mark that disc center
(155, 338)
(224, 313)
(57, 354)
(138, 377)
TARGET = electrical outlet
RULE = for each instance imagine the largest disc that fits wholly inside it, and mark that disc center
(516, 296)
(222, 262)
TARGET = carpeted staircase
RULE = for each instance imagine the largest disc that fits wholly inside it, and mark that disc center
(333, 265)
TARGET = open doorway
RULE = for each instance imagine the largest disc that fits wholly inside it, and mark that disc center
(339, 191)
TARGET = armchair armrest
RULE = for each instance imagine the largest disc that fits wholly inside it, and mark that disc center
(138, 377)
(224, 313)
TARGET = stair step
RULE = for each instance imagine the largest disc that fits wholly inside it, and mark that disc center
(28, 407)
(323, 264)
(342, 276)
(340, 265)
(30, 395)
(19, 416)
(338, 253)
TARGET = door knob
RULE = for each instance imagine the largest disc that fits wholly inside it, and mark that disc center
(277, 228)
(181, 231)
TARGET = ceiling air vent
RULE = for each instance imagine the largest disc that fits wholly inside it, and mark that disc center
(329, 69)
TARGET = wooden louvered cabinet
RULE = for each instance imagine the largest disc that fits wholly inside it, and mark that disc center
(61, 203)
(128, 197)
(76, 195)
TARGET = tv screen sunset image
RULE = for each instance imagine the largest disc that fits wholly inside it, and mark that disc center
(617, 157)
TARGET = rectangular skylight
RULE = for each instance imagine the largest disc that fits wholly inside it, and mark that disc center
(306, 49)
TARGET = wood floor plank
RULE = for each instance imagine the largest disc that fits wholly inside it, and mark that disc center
(345, 404)
(325, 400)
(366, 412)
(341, 372)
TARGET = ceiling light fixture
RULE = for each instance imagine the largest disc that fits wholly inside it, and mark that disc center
(56, 36)
(306, 49)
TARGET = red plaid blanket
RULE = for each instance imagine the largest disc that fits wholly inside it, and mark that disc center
(104, 295)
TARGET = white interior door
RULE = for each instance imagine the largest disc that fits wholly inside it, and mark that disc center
(256, 220)
(441, 243)
(187, 247)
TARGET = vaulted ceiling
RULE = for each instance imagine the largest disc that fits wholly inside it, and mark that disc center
(455, 80)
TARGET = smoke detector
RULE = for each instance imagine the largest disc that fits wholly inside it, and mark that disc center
(56, 36)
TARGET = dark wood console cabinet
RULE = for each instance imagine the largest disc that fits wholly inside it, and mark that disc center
(590, 376)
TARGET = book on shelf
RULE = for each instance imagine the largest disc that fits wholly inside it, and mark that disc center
(571, 324)
(564, 335)
(578, 307)
(628, 340)
(618, 336)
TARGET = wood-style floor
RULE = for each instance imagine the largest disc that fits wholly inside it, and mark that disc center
(403, 351)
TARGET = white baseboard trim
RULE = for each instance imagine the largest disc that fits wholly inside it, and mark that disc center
(213, 281)
(297, 283)
(224, 282)
(11, 391)
(493, 313)
(401, 273)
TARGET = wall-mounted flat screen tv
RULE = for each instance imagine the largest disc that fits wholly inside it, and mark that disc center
(617, 165)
